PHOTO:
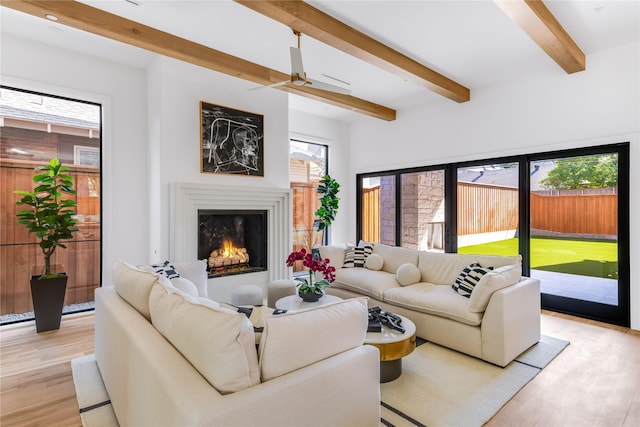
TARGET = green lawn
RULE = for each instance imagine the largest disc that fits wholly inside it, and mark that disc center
(595, 258)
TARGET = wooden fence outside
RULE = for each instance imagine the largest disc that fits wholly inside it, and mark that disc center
(19, 251)
(487, 208)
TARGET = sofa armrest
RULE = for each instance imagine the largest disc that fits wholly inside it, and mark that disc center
(511, 322)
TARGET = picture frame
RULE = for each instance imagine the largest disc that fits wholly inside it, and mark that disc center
(231, 141)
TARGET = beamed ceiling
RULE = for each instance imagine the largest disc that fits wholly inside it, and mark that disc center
(355, 29)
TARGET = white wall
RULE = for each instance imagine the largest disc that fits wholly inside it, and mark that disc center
(535, 113)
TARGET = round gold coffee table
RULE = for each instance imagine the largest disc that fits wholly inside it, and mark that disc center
(393, 346)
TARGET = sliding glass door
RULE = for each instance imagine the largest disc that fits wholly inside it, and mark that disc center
(566, 213)
(575, 223)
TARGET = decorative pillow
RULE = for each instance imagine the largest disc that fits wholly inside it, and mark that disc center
(134, 286)
(356, 256)
(297, 339)
(469, 278)
(408, 274)
(218, 342)
(185, 285)
(374, 262)
(196, 271)
(166, 269)
(493, 281)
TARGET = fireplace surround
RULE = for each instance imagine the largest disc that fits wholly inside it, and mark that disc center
(185, 199)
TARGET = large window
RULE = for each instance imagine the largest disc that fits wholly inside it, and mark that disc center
(566, 213)
(308, 164)
(34, 128)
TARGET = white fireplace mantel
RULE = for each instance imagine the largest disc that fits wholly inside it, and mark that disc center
(185, 199)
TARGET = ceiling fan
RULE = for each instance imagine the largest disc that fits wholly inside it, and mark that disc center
(299, 77)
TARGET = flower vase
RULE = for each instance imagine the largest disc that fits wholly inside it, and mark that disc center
(310, 296)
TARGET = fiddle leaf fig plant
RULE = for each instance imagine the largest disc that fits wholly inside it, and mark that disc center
(50, 217)
(329, 200)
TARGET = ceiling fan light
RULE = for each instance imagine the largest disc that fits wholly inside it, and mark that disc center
(298, 82)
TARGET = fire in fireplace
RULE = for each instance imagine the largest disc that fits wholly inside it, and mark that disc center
(233, 241)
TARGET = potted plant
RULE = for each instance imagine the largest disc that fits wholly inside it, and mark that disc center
(309, 288)
(329, 200)
(52, 219)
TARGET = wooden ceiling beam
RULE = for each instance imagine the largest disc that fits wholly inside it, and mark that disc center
(544, 29)
(303, 17)
(96, 21)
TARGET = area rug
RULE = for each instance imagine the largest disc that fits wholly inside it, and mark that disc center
(438, 387)
(93, 401)
(441, 387)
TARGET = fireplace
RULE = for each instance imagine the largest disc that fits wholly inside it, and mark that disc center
(232, 241)
(186, 199)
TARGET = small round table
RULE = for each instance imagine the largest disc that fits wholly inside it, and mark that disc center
(393, 346)
(295, 303)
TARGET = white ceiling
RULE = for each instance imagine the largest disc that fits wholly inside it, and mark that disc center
(472, 42)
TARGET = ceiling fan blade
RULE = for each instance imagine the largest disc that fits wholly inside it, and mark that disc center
(296, 62)
(326, 86)
(271, 85)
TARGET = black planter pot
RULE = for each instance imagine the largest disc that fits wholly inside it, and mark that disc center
(310, 297)
(48, 299)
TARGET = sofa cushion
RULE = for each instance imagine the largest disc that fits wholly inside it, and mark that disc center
(134, 286)
(438, 300)
(334, 253)
(496, 261)
(442, 268)
(468, 278)
(219, 343)
(395, 256)
(374, 262)
(495, 280)
(407, 274)
(356, 256)
(367, 282)
(294, 340)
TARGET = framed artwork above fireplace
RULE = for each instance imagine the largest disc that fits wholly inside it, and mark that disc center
(231, 141)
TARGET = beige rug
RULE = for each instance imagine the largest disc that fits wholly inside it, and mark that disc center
(94, 403)
(441, 387)
(438, 387)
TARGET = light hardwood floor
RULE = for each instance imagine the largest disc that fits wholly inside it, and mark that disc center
(595, 381)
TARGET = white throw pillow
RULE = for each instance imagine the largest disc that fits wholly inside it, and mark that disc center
(294, 340)
(185, 285)
(408, 274)
(493, 281)
(196, 271)
(374, 262)
(218, 342)
(134, 286)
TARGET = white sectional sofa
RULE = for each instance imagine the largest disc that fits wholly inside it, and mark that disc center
(173, 358)
(496, 322)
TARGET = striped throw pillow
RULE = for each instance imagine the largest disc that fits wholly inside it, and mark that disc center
(468, 278)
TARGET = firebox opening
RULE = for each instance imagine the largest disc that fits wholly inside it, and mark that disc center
(232, 241)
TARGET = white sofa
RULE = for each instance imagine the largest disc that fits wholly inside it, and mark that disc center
(496, 322)
(172, 358)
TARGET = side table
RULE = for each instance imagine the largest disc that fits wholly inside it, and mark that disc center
(393, 346)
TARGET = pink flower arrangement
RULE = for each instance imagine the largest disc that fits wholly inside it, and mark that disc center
(315, 265)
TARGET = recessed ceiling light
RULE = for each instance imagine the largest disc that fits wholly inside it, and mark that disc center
(51, 17)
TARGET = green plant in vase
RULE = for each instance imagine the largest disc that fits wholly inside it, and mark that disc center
(52, 219)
